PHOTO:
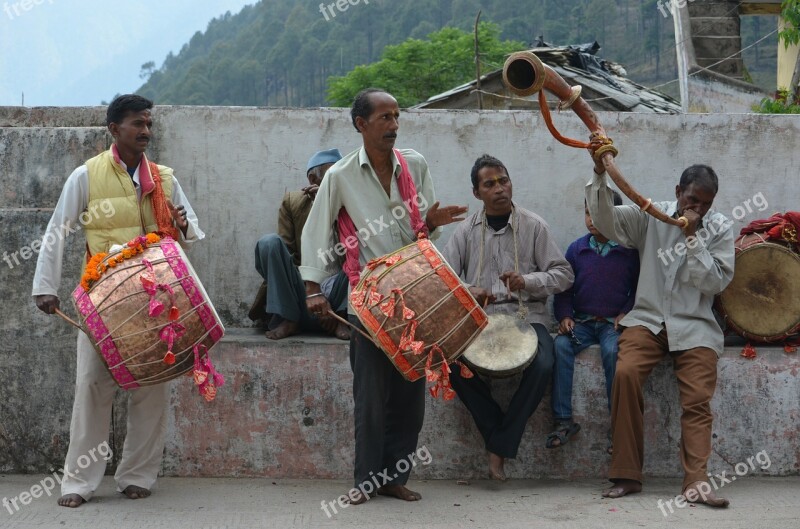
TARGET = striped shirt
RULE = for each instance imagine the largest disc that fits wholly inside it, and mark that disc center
(541, 262)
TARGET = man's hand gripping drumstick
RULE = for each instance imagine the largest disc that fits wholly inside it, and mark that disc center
(179, 216)
(49, 305)
(317, 305)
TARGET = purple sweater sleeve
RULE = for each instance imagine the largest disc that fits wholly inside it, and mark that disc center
(562, 302)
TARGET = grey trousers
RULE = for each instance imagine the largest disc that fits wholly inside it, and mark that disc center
(286, 293)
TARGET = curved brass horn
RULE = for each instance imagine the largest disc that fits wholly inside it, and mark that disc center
(525, 74)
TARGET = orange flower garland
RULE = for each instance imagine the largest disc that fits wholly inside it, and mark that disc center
(97, 265)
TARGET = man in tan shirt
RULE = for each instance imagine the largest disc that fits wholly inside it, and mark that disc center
(508, 255)
(280, 301)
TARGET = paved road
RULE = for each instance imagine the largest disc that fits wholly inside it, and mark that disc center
(196, 503)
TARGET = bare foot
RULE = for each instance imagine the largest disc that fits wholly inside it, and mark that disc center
(284, 330)
(71, 500)
(700, 492)
(342, 332)
(623, 487)
(496, 463)
(136, 493)
(359, 498)
(400, 491)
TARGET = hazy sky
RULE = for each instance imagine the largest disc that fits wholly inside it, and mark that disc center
(80, 52)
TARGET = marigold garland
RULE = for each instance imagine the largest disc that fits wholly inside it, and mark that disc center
(97, 264)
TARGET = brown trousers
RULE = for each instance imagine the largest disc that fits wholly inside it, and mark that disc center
(696, 370)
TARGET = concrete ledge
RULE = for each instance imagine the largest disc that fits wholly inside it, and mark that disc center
(286, 411)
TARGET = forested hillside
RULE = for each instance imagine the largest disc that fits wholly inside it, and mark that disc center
(282, 53)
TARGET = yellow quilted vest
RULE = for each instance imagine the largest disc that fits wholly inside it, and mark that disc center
(115, 216)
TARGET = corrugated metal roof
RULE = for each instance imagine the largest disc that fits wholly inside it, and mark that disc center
(607, 89)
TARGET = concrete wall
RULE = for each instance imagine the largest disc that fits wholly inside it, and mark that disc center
(709, 71)
(712, 93)
(236, 163)
(286, 411)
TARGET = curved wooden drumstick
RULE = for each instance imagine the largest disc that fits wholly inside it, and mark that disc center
(367, 336)
(67, 319)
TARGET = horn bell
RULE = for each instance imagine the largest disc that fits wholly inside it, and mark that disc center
(524, 73)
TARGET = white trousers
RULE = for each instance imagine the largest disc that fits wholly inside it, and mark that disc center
(91, 415)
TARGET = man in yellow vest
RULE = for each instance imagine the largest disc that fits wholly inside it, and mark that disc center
(135, 197)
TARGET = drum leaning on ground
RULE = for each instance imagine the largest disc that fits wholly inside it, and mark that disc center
(115, 315)
(416, 309)
(506, 347)
(762, 302)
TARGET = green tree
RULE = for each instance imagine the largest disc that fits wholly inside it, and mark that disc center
(786, 101)
(790, 12)
(417, 69)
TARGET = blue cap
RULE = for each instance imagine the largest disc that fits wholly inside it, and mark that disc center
(323, 157)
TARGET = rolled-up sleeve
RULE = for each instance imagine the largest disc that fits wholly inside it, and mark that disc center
(428, 194)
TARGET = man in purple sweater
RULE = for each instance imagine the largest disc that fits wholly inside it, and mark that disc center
(589, 313)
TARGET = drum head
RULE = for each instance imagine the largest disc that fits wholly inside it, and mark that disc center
(764, 297)
(505, 347)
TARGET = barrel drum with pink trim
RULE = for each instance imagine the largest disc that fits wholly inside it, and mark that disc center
(149, 316)
(418, 312)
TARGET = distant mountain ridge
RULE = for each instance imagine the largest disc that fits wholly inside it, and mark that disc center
(281, 53)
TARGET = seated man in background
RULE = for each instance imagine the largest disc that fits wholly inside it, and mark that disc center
(588, 314)
(281, 300)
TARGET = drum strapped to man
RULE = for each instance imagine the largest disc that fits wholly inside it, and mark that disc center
(509, 344)
(506, 347)
(418, 312)
(762, 302)
(148, 316)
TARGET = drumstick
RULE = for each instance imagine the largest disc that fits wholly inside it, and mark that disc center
(67, 318)
(508, 288)
(367, 336)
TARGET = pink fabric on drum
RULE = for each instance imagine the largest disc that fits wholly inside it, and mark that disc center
(168, 246)
(103, 339)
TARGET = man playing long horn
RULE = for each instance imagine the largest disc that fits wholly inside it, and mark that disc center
(671, 316)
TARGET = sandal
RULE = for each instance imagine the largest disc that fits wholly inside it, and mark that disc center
(563, 431)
